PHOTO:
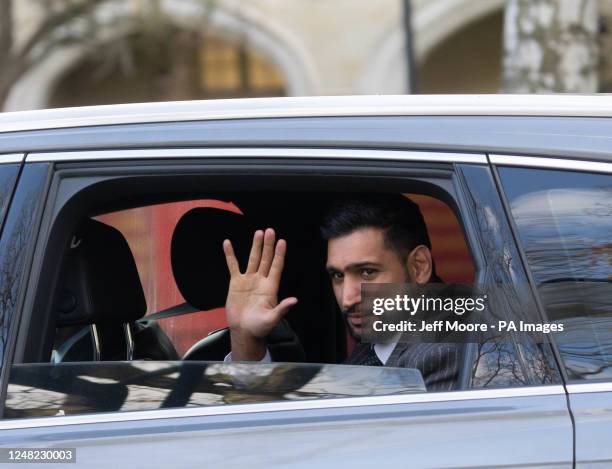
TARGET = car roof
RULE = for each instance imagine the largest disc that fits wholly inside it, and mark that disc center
(566, 105)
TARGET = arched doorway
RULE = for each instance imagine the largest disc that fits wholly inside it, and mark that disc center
(180, 64)
(437, 25)
(468, 61)
(265, 38)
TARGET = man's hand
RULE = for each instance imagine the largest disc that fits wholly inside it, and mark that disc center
(252, 306)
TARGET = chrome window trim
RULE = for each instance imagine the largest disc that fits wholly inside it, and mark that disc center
(235, 409)
(551, 163)
(341, 153)
(12, 158)
(580, 388)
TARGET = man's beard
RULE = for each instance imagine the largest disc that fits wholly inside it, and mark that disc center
(365, 328)
(352, 332)
(356, 310)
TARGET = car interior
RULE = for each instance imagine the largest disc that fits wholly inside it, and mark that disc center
(100, 275)
(99, 306)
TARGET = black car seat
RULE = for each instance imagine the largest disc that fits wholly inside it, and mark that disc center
(201, 274)
(102, 298)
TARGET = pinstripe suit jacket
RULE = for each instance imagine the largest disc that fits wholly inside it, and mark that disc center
(438, 363)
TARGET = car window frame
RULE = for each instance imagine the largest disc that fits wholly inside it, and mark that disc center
(13, 163)
(29, 197)
(92, 167)
(568, 164)
(408, 161)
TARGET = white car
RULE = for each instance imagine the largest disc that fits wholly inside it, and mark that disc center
(113, 281)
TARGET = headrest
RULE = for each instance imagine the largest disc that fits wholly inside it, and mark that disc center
(100, 279)
(198, 261)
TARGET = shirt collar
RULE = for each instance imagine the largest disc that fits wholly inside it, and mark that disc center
(384, 350)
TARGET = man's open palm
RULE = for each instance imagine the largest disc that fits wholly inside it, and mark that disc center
(252, 306)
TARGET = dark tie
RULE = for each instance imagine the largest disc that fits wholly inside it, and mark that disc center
(371, 359)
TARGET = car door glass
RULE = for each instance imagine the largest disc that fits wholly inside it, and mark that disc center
(8, 176)
(112, 351)
(44, 389)
(564, 222)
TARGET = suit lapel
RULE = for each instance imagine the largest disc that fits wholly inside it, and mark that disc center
(398, 351)
(359, 354)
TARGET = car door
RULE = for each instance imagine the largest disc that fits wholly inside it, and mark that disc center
(511, 410)
(563, 215)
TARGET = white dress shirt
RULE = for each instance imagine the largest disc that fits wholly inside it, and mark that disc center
(382, 351)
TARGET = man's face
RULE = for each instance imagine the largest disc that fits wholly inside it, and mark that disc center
(361, 256)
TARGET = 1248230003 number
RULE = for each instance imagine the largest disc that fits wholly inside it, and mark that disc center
(37, 455)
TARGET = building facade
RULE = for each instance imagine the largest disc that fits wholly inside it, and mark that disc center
(237, 48)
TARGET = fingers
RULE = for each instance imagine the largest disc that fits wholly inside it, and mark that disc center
(267, 254)
(266, 257)
(230, 258)
(279, 261)
(255, 255)
(284, 306)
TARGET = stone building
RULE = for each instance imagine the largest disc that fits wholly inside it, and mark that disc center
(269, 47)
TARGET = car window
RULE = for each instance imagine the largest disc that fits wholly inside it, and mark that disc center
(8, 176)
(78, 388)
(147, 281)
(564, 221)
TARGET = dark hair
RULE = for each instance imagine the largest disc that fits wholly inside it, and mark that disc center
(397, 215)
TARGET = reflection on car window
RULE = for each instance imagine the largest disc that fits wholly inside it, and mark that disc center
(564, 221)
(8, 175)
(38, 390)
